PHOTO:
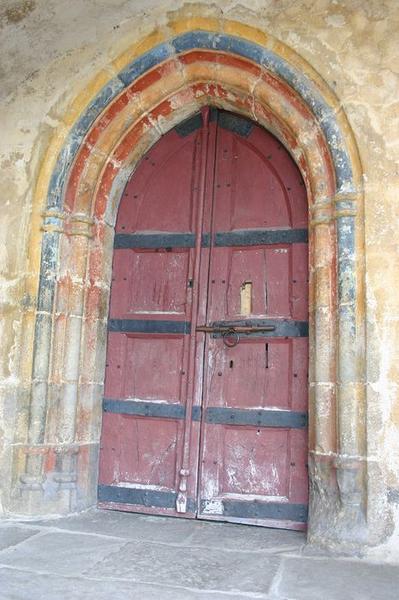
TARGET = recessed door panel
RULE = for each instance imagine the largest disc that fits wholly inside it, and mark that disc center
(248, 191)
(159, 195)
(253, 461)
(144, 367)
(132, 442)
(150, 282)
(254, 281)
(153, 367)
(263, 367)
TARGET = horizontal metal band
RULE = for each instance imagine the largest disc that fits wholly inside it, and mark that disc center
(165, 241)
(258, 417)
(140, 496)
(189, 125)
(282, 328)
(149, 409)
(262, 510)
(230, 121)
(257, 237)
(237, 124)
(148, 326)
(168, 241)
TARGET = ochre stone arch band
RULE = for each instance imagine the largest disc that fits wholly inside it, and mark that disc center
(241, 70)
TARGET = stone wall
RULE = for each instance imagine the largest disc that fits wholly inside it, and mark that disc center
(50, 52)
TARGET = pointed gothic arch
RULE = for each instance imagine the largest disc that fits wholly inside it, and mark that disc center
(261, 79)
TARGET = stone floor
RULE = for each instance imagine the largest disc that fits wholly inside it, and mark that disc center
(105, 555)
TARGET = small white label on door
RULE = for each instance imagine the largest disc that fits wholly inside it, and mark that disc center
(246, 298)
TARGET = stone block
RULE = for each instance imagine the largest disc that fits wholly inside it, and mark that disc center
(187, 567)
(60, 553)
(18, 585)
(307, 579)
(127, 526)
(11, 536)
(226, 536)
(89, 412)
(86, 472)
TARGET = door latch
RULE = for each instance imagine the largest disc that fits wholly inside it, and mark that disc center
(231, 333)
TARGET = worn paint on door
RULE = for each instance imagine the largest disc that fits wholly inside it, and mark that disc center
(211, 231)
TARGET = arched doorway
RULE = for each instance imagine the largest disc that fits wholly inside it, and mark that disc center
(168, 77)
(205, 409)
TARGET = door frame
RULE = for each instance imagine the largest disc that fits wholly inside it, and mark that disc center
(82, 181)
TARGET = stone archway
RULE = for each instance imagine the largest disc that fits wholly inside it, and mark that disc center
(240, 70)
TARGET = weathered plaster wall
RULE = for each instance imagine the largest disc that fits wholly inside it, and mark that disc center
(51, 50)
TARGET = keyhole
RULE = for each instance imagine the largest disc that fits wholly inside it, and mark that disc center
(231, 364)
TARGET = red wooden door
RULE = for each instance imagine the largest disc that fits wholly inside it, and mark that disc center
(211, 232)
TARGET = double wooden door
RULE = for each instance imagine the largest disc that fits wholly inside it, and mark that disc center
(205, 407)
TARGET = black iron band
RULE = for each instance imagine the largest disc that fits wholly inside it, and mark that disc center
(189, 125)
(285, 328)
(235, 123)
(149, 409)
(170, 241)
(284, 419)
(231, 508)
(141, 497)
(261, 236)
(160, 241)
(262, 510)
(148, 326)
(282, 328)
(214, 415)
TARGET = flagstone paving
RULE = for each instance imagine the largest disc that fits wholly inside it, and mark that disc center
(104, 555)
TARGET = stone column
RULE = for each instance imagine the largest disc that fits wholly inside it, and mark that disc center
(49, 481)
(351, 460)
(69, 317)
(322, 377)
(32, 481)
